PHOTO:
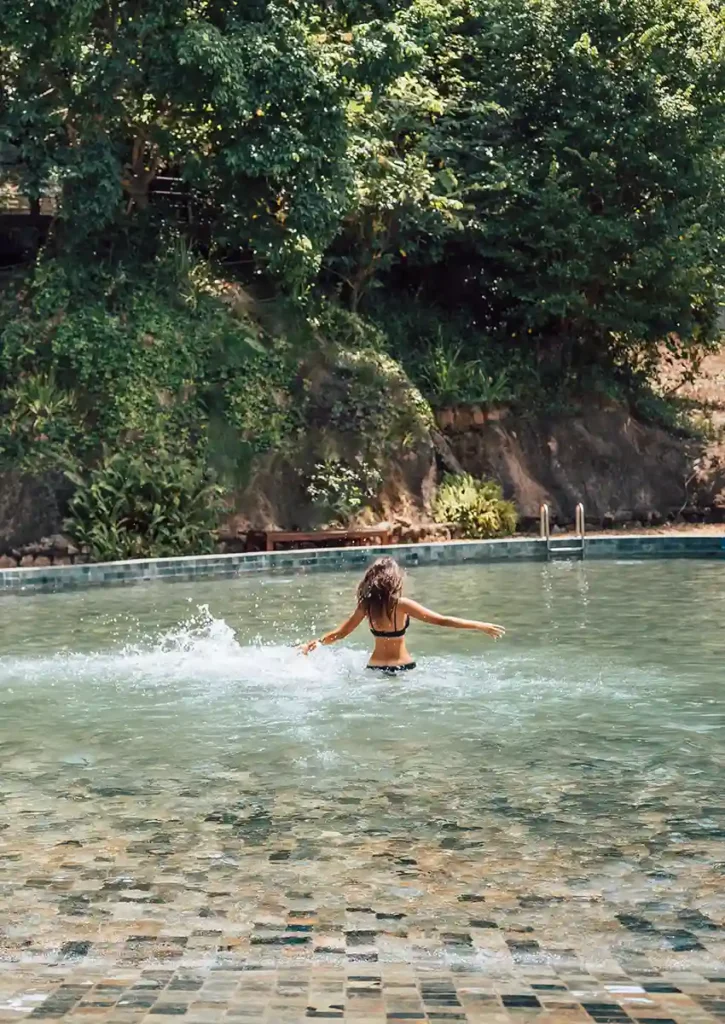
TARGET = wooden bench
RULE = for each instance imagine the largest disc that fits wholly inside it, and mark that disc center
(269, 540)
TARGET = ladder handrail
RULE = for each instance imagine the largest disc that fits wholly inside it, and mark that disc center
(581, 526)
(544, 527)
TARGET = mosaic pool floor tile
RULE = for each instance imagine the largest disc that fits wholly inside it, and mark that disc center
(116, 933)
(397, 880)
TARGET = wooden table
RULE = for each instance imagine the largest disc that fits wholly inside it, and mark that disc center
(323, 538)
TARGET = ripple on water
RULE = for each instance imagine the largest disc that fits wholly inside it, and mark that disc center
(573, 772)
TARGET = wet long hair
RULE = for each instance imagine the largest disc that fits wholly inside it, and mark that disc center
(380, 589)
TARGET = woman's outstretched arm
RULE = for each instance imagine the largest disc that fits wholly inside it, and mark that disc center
(417, 611)
(340, 633)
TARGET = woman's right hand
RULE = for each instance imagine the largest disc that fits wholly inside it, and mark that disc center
(306, 648)
(492, 630)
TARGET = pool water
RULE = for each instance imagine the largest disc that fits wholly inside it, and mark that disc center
(181, 787)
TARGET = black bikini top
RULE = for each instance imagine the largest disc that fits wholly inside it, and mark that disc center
(392, 633)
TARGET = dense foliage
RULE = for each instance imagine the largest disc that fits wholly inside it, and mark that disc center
(92, 359)
(513, 200)
(148, 505)
(590, 138)
(165, 369)
(556, 168)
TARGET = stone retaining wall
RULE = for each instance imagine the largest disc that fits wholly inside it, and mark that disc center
(456, 552)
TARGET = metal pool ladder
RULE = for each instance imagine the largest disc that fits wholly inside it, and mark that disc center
(564, 547)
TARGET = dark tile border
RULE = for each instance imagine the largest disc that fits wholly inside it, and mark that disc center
(632, 546)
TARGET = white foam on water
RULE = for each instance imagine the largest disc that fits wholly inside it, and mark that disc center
(203, 647)
(202, 655)
(196, 681)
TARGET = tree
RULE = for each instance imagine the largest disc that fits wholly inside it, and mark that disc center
(590, 138)
(236, 99)
(560, 162)
(402, 203)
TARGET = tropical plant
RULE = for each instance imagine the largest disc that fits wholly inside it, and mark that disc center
(476, 508)
(448, 378)
(444, 374)
(489, 389)
(151, 504)
(40, 426)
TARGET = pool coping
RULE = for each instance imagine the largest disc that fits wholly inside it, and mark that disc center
(617, 546)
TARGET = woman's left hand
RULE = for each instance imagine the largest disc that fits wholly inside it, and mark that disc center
(306, 648)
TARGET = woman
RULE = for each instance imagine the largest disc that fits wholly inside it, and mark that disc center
(381, 602)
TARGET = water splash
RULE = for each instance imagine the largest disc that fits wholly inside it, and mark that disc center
(202, 655)
(200, 648)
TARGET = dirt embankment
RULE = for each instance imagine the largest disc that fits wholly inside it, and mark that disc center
(622, 470)
(625, 472)
(707, 395)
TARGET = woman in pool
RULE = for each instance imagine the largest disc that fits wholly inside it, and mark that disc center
(380, 601)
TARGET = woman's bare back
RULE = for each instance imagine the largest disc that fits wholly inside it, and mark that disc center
(389, 614)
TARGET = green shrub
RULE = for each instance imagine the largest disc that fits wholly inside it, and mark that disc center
(145, 356)
(149, 505)
(341, 490)
(476, 507)
(358, 389)
(444, 374)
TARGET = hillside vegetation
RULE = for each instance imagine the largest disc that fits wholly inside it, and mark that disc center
(281, 234)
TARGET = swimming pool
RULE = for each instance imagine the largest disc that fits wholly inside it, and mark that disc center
(185, 799)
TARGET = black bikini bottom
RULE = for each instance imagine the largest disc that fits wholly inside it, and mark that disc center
(392, 669)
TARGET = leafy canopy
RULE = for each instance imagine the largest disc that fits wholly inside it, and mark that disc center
(549, 172)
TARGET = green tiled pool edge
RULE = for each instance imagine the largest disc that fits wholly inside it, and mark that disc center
(632, 546)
